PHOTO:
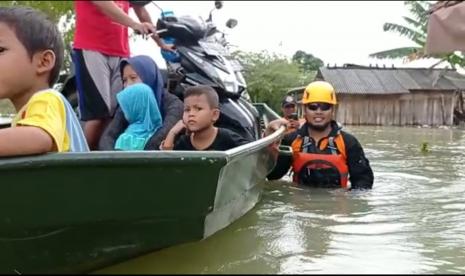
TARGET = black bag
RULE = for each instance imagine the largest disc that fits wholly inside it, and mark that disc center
(320, 174)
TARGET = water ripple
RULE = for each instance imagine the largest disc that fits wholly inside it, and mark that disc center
(411, 222)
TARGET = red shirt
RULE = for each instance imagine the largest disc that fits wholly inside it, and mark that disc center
(97, 32)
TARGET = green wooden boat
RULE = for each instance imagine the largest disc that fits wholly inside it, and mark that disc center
(77, 212)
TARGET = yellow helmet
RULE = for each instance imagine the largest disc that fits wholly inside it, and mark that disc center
(319, 92)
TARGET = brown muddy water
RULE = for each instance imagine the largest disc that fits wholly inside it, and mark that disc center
(412, 221)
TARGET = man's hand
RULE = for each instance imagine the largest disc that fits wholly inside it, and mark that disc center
(168, 143)
(161, 44)
(143, 28)
(275, 125)
(294, 124)
(166, 47)
(177, 128)
(144, 16)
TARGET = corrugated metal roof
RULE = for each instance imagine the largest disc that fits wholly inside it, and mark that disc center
(456, 79)
(364, 81)
(390, 80)
(436, 79)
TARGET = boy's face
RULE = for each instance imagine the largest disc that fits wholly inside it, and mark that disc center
(198, 115)
(17, 71)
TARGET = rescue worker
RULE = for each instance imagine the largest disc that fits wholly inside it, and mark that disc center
(289, 111)
(323, 154)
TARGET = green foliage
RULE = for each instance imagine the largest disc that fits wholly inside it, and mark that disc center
(424, 147)
(419, 10)
(54, 9)
(416, 36)
(60, 12)
(454, 59)
(307, 62)
(416, 30)
(269, 76)
(397, 52)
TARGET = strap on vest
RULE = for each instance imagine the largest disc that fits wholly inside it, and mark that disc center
(306, 142)
(332, 145)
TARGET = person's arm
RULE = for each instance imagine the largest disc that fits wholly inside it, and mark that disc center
(116, 126)
(275, 125)
(17, 141)
(144, 16)
(168, 143)
(42, 130)
(288, 138)
(360, 172)
(110, 9)
(294, 124)
(173, 107)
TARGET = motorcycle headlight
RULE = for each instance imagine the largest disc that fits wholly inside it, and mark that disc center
(228, 81)
(229, 86)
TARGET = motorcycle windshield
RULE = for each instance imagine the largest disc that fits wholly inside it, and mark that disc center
(203, 59)
(213, 48)
(185, 28)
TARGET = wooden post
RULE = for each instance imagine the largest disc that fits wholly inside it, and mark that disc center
(443, 110)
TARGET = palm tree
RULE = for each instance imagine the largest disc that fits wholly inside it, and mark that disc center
(415, 30)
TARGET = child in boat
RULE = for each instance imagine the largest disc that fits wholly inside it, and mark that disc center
(31, 55)
(201, 111)
(141, 110)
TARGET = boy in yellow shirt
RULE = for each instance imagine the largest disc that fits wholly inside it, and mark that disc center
(31, 54)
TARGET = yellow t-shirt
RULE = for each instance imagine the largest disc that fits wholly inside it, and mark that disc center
(46, 111)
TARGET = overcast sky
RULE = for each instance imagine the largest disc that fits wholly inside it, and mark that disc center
(337, 32)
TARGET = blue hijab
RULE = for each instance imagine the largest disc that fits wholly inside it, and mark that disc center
(149, 73)
(140, 109)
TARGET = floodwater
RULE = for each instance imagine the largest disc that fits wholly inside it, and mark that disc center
(412, 221)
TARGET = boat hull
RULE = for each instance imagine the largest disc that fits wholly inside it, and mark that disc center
(77, 212)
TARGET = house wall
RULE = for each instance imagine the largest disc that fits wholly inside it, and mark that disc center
(431, 108)
(416, 108)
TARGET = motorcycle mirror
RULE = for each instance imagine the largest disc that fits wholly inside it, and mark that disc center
(218, 4)
(139, 3)
(153, 2)
(231, 23)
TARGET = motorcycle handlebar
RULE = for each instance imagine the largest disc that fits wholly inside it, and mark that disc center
(150, 32)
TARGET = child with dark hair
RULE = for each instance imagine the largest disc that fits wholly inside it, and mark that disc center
(200, 114)
(31, 55)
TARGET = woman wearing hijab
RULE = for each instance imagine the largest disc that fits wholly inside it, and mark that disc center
(142, 69)
(140, 109)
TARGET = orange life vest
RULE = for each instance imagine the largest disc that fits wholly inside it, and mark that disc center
(328, 168)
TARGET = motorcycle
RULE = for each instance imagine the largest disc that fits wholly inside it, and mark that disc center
(202, 57)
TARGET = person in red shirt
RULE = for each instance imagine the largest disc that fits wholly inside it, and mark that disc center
(100, 42)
